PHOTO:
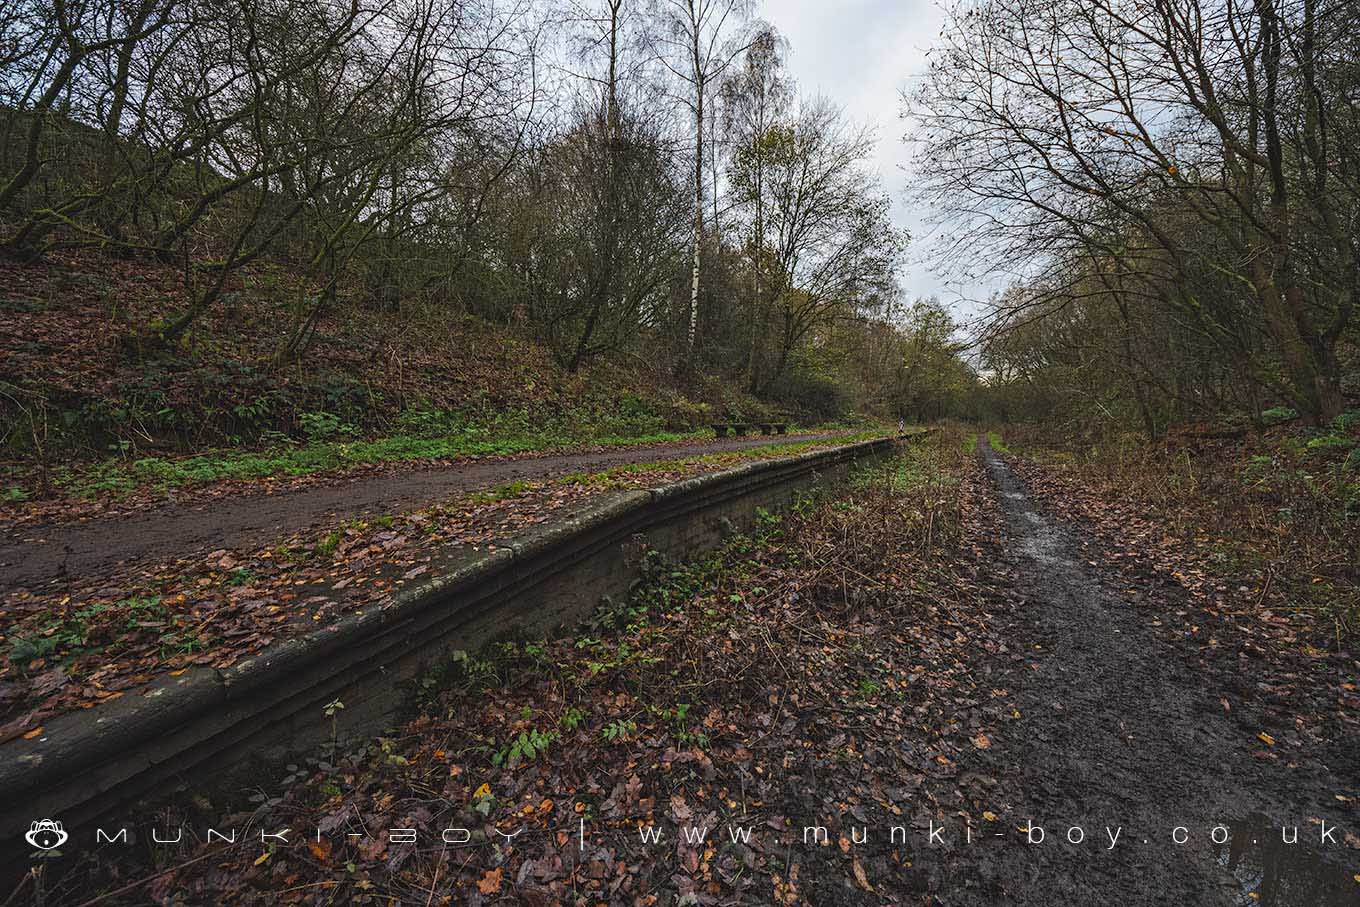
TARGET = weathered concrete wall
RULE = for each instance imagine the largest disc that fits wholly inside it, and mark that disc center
(213, 723)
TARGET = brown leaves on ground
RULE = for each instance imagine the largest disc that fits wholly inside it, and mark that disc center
(101, 636)
(490, 882)
(845, 645)
(1245, 601)
(64, 316)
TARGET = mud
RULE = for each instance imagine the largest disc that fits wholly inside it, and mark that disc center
(1120, 729)
(34, 556)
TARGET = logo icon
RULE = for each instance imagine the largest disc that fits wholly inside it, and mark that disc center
(46, 834)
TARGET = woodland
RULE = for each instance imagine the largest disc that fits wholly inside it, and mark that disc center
(299, 296)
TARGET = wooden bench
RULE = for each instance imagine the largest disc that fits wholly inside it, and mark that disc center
(722, 429)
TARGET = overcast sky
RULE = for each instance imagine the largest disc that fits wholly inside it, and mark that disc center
(861, 53)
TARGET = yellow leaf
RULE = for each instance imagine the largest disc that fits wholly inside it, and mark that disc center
(989, 815)
(1266, 738)
(262, 858)
(482, 792)
(33, 733)
(860, 878)
(491, 882)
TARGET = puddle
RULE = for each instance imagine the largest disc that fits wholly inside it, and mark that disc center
(1271, 873)
(1042, 541)
(1044, 544)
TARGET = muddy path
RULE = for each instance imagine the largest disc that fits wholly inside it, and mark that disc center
(1122, 732)
(34, 556)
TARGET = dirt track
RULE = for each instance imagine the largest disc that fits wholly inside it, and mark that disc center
(42, 555)
(1121, 728)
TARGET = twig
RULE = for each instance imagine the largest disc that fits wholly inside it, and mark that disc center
(151, 878)
(437, 867)
(17, 888)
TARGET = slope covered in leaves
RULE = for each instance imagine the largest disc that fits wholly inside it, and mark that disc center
(71, 393)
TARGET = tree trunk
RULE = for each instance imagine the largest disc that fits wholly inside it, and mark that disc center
(698, 220)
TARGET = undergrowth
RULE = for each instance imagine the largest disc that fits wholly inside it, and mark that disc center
(1283, 505)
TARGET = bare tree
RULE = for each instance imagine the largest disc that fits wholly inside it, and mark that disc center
(1201, 148)
(755, 98)
(698, 41)
(202, 126)
(834, 247)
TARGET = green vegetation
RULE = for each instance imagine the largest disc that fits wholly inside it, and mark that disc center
(619, 730)
(623, 645)
(107, 627)
(527, 747)
(500, 492)
(120, 475)
(1283, 504)
(328, 543)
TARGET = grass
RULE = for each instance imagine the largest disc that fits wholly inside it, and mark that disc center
(500, 492)
(994, 439)
(120, 476)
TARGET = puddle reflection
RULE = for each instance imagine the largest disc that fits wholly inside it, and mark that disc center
(1270, 872)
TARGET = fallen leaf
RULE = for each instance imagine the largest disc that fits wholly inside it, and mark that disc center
(491, 882)
(860, 878)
